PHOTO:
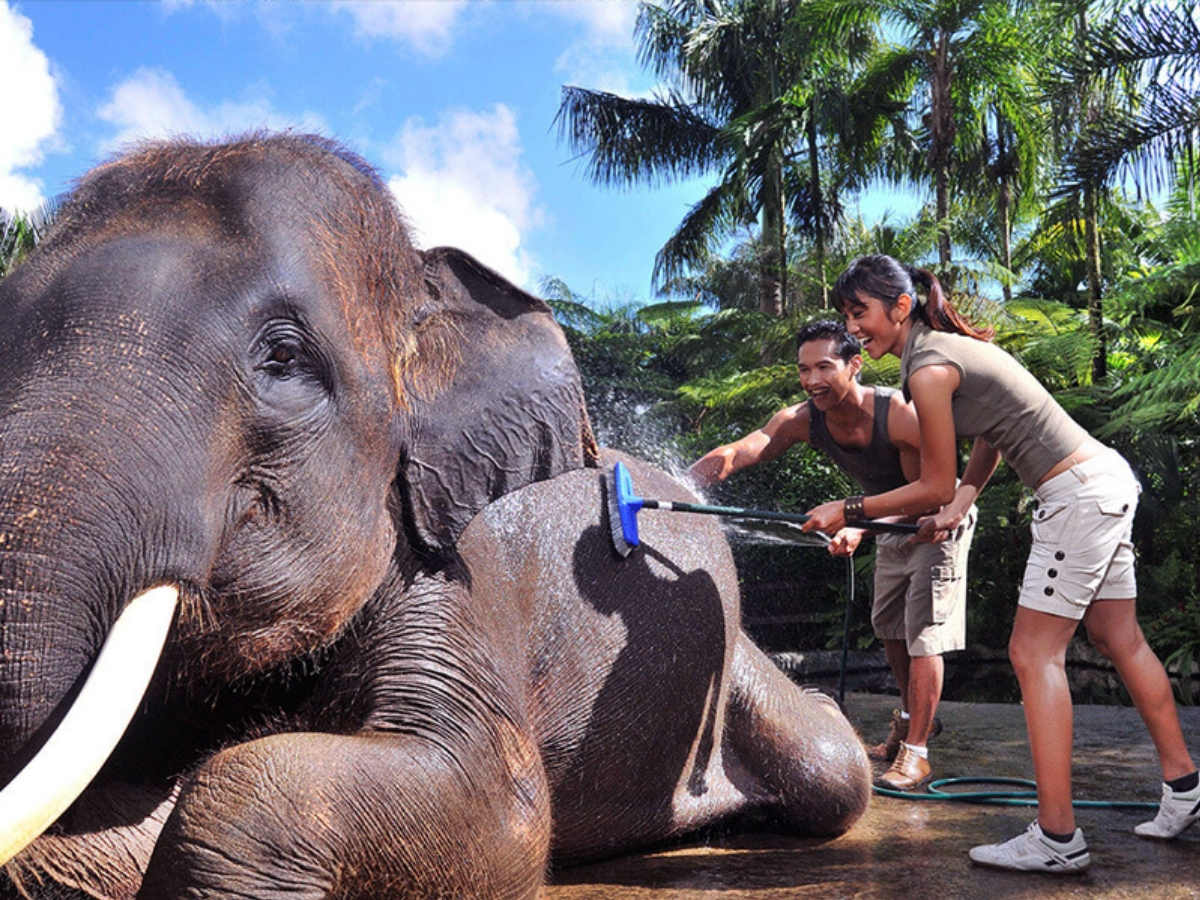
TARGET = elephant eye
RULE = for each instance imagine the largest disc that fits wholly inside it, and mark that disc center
(285, 353)
(281, 360)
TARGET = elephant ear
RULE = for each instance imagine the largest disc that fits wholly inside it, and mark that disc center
(508, 409)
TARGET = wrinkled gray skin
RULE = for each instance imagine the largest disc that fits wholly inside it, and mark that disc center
(407, 662)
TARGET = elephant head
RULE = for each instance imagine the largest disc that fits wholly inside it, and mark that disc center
(228, 371)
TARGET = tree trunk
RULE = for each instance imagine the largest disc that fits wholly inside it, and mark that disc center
(1091, 232)
(771, 280)
(1004, 207)
(814, 174)
(1091, 237)
(942, 139)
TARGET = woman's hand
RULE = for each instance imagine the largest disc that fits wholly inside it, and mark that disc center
(828, 517)
(937, 528)
(931, 531)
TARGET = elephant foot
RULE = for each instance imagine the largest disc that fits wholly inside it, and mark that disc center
(365, 816)
(794, 750)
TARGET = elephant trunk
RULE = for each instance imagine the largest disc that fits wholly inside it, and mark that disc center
(71, 558)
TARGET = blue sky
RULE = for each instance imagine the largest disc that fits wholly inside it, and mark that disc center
(453, 100)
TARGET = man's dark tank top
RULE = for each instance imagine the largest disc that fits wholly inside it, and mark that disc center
(876, 468)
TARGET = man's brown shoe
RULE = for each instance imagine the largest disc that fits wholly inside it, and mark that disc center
(898, 734)
(910, 770)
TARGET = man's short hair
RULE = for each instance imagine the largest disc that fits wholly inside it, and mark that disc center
(845, 344)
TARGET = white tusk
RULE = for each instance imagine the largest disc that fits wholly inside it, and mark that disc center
(93, 725)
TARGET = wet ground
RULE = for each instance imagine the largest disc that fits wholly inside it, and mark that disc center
(916, 849)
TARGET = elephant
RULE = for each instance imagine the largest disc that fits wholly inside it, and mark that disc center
(323, 514)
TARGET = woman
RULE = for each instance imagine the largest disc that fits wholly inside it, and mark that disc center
(1080, 566)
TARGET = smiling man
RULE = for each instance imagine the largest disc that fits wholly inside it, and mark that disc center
(919, 606)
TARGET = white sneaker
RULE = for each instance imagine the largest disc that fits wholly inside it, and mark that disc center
(1180, 810)
(1032, 851)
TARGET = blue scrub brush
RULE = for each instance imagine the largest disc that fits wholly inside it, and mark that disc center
(624, 505)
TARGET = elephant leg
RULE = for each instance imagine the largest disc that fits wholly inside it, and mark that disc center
(373, 816)
(795, 747)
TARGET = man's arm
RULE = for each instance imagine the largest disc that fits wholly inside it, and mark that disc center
(787, 427)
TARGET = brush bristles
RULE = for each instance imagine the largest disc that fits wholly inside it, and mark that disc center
(612, 505)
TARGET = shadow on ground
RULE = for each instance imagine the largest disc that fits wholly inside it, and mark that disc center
(917, 849)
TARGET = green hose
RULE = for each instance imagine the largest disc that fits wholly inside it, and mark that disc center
(1026, 797)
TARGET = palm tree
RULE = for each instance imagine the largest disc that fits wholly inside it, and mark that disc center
(1082, 101)
(1152, 52)
(21, 232)
(728, 109)
(1002, 175)
(965, 70)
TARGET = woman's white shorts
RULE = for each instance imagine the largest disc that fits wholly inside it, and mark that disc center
(1082, 538)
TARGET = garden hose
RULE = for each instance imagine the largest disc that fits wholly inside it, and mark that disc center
(1026, 797)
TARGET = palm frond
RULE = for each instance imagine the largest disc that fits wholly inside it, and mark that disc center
(1146, 42)
(1165, 397)
(707, 223)
(630, 141)
(1146, 141)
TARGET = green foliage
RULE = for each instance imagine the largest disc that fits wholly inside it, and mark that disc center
(1175, 636)
(21, 232)
(1156, 303)
(832, 624)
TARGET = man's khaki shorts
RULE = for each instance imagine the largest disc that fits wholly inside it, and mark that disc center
(1083, 538)
(921, 591)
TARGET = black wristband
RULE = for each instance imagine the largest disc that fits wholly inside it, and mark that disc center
(852, 509)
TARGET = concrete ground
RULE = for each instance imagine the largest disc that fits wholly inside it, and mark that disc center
(917, 849)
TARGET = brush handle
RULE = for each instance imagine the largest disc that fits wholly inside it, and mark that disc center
(736, 512)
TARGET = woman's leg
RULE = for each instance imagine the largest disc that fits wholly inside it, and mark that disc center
(1113, 628)
(1038, 651)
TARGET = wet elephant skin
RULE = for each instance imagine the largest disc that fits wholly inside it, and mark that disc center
(407, 662)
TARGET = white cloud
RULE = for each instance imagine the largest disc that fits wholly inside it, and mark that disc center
(152, 104)
(425, 26)
(605, 57)
(461, 182)
(32, 112)
(606, 20)
(222, 9)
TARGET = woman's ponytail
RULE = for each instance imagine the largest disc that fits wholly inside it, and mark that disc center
(937, 311)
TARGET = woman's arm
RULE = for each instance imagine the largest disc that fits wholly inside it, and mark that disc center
(932, 389)
(980, 466)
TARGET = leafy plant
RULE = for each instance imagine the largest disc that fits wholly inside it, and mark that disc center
(1175, 636)
(21, 232)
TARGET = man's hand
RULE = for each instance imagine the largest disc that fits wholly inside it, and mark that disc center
(846, 541)
(714, 466)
